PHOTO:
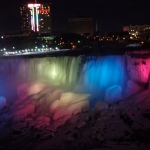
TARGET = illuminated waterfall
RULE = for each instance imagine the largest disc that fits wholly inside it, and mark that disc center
(94, 77)
(100, 73)
(55, 70)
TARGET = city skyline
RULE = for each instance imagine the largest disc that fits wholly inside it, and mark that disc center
(111, 16)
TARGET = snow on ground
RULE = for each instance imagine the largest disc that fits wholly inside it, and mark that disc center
(46, 118)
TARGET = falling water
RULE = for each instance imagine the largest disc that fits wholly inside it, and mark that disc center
(100, 73)
(56, 71)
(95, 75)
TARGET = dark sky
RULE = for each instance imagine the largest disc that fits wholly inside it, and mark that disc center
(111, 15)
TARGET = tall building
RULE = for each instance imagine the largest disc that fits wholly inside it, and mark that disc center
(36, 17)
(25, 19)
(45, 25)
(81, 25)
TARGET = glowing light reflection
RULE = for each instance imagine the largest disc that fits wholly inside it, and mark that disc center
(53, 72)
(93, 77)
(97, 75)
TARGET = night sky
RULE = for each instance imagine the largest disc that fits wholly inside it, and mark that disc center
(111, 15)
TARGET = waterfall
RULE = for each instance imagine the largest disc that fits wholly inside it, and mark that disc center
(94, 76)
(100, 73)
(57, 71)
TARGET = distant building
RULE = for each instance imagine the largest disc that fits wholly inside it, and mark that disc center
(137, 30)
(82, 26)
(25, 19)
(126, 28)
(36, 17)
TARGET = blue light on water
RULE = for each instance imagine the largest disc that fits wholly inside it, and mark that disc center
(97, 75)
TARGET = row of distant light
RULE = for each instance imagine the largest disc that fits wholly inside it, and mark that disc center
(31, 50)
(39, 49)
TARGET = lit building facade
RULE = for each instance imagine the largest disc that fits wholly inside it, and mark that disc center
(137, 30)
(25, 19)
(45, 24)
(36, 18)
(80, 25)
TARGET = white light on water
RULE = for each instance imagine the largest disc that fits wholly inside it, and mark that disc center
(54, 73)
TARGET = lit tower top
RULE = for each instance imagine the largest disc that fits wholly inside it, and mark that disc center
(34, 9)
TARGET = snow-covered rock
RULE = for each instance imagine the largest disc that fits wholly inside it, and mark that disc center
(132, 88)
(40, 125)
(18, 118)
(6, 116)
(100, 106)
(56, 105)
(2, 125)
(31, 88)
(70, 97)
(57, 94)
(46, 101)
(43, 118)
(73, 120)
(19, 126)
(25, 111)
(57, 123)
(80, 124)
(138, 68)
(71, 109)
(69, 103)
(2, 102)
(113, 94)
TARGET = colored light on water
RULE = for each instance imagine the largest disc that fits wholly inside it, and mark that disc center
(53, 72)
(68, 73)
(97, 75)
